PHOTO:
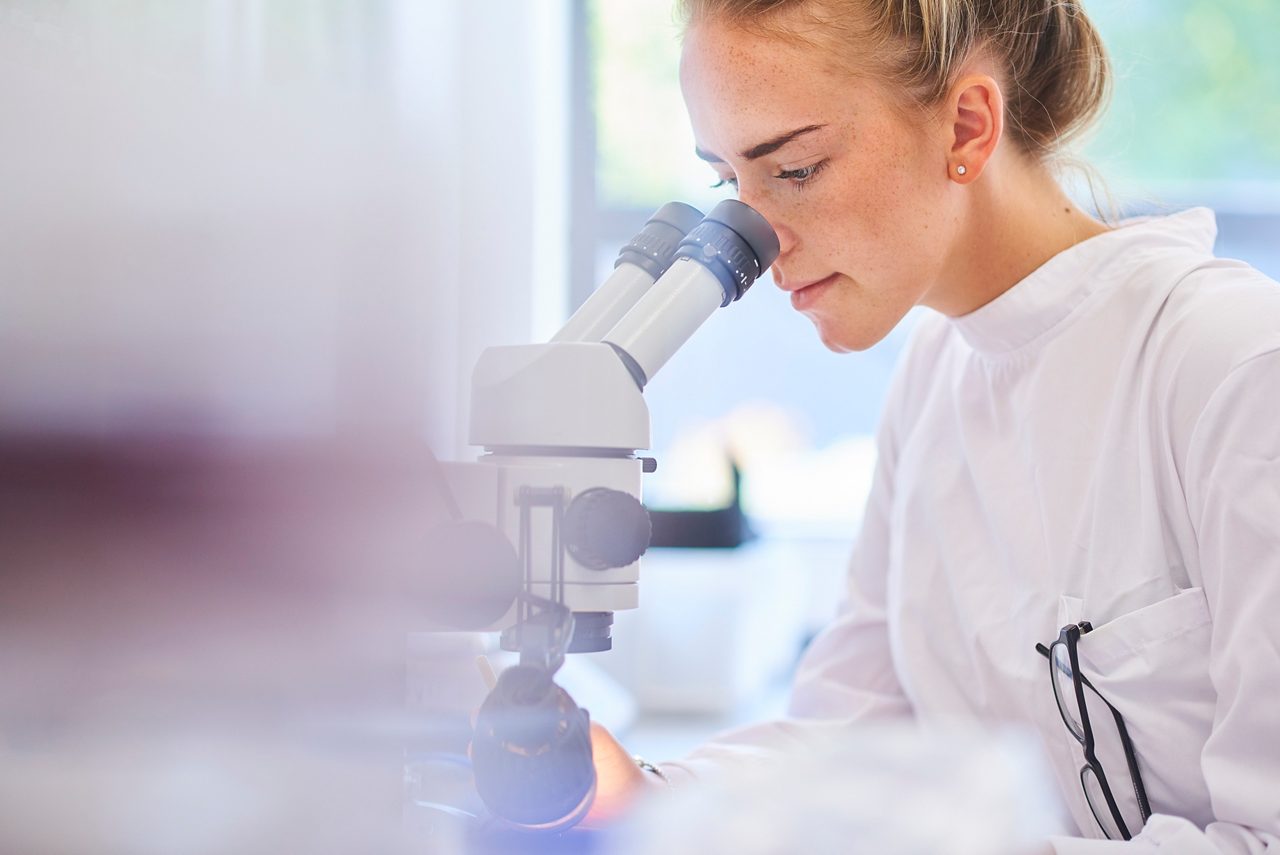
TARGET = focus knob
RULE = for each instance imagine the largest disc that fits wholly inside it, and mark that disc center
(606, 528)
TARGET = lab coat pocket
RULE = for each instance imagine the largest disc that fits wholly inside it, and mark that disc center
(1128, 636)
(1152, 665)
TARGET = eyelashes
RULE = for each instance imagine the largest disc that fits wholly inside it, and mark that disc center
(803, 175)
(797, 178)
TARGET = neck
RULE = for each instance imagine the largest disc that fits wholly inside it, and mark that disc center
(1016, 218)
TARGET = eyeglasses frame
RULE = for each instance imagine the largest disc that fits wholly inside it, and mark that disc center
(1069, 637)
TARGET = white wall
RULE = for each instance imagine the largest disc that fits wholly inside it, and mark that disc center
(247, 218)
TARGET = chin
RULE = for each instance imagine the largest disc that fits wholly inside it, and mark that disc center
(839, 339)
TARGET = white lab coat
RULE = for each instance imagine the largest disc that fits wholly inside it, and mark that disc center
(1098, 443)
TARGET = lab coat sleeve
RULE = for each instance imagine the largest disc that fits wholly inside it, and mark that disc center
(848, 671)
(846, 676)
(1232, 485)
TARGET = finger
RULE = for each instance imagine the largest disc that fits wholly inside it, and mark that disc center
(486, 671)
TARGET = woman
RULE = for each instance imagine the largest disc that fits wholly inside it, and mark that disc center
(1080, 437)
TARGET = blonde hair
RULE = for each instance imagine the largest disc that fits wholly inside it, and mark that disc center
(1055, 67)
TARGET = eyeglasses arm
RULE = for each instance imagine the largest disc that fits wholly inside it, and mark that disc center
(1130, 756)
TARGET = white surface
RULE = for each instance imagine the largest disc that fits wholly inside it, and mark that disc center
(662, 736)
(889, 791)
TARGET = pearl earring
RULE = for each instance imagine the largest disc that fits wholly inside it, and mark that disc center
(960, 170)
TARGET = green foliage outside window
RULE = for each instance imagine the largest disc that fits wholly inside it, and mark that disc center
(1195, 90)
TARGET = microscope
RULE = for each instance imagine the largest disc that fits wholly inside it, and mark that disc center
(547, 526)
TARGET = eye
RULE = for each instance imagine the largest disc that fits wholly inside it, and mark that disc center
(725, 182)
(803, 175)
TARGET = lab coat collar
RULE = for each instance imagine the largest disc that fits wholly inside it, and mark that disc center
(1040, 302)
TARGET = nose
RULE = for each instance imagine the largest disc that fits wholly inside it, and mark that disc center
(786, 238)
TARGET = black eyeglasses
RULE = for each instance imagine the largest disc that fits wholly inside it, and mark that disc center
(1068, 688)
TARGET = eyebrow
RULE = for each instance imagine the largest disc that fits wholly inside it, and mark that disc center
(766, 147)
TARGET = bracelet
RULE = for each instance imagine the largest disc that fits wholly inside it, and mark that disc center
(649, 767)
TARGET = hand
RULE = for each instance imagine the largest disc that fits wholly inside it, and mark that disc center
(619, 781)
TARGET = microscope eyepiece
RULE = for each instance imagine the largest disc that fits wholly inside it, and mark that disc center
(643, 260)
(653, 248)
(713, 266)
(747, 222)
(735, 243)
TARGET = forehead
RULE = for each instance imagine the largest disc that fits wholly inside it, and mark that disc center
(741, 88)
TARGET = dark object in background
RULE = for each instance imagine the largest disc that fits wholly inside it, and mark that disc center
(717, 528)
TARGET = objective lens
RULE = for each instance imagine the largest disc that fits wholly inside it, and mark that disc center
(531, 752)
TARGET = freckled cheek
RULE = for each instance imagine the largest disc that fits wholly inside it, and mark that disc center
(856, 213)
(896, 208)
(894, 175)
(891, 190)
(859, 220)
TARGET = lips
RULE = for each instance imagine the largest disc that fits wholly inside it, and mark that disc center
(803, 294)
(800, 285)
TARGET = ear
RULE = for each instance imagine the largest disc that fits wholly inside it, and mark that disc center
(975, 113)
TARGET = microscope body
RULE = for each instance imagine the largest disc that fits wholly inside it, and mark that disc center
(563, 416)
(561, 422)
(548, 524)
